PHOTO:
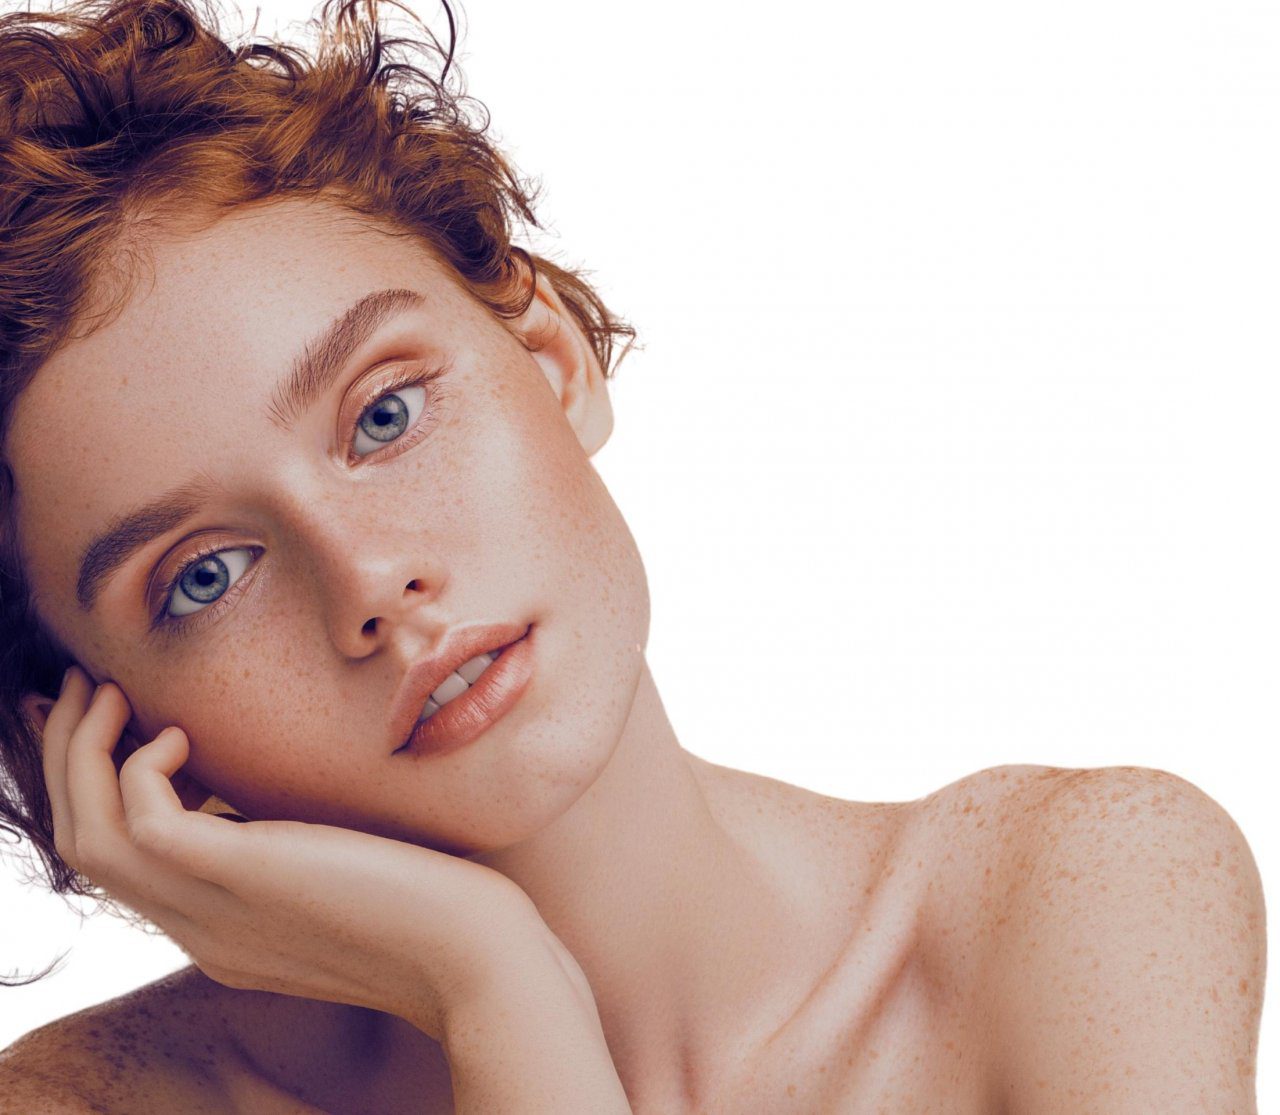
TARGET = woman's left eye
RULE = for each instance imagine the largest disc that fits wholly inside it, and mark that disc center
(392, 412)
(203, 581)
(208, 578)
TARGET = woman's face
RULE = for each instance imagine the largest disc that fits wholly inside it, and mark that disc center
(349, 558)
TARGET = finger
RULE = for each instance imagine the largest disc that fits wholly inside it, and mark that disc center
(65, 714)
(159, 822)
(93, 790)
(129, 743)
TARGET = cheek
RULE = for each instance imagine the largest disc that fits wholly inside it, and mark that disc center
(250, 716)
(558, 516)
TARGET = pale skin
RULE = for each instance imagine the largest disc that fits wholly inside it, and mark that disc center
(720, 941)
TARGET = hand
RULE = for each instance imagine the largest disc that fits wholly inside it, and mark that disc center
(302, 909)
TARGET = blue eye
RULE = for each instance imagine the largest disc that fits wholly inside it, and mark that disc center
(207, 578)
(204, 581)
(389, 417)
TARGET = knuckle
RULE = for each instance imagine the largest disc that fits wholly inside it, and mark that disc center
(133, 763)
(151, 833)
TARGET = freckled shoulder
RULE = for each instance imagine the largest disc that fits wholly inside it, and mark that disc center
(970, 836)
(156, 1048)
(1134, 951)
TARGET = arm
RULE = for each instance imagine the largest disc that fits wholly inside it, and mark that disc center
(532, 1044)
(26, 1093)
(1129, 968)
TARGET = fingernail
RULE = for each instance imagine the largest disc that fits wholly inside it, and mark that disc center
(65, 675)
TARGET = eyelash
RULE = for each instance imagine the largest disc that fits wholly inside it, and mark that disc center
(164, 624)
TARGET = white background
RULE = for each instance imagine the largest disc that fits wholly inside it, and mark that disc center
(953, 439)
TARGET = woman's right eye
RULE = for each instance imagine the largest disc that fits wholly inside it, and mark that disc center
(202, 582)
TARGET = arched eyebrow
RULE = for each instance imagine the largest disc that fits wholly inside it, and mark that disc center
(312, 373)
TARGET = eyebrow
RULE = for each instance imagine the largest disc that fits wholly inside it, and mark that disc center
(311, 374)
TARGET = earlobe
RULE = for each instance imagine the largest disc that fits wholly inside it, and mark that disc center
(551, 333)
(36, 708)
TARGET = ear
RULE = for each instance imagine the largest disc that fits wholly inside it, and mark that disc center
(35, 707)
(551, 333)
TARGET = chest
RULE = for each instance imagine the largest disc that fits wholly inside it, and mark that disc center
(915, 1052)
(917, 1047)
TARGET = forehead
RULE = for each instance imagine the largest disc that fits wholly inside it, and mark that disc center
(183, 375)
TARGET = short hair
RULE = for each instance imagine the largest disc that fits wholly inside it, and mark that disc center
(127, 114)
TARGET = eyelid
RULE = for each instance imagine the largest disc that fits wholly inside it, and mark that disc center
(161, 623)
(386, 381)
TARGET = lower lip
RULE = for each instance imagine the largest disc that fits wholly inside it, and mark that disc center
(485, 703)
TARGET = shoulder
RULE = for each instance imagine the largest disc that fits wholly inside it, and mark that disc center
(1128, 954)
(153, 1049)
(964, 839)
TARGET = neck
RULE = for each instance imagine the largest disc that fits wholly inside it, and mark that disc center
(675, 922)
(700, 936)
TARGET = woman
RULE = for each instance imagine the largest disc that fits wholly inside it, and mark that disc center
(321, 435)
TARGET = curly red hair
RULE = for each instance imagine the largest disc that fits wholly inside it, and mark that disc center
(127, 115)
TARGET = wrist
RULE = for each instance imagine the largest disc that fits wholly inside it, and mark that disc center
(531, 1042)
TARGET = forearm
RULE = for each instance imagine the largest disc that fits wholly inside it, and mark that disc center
(532, 1047)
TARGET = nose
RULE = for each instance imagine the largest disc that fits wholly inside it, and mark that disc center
(376, 623)
(371, 600)
(368, 574)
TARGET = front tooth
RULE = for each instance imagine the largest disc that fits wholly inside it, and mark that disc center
(474, 667)
(457, 682)
(450, 688)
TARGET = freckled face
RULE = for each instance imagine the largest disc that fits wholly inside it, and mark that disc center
(339, 559)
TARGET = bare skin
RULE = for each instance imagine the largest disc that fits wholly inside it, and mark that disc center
(749, 946)
(895, 1022)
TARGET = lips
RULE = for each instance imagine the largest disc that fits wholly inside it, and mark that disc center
(426, 676)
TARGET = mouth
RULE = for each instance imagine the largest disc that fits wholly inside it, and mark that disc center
(461, 680)
(472, 697)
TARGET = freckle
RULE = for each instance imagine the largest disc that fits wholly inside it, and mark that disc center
(1244, 986)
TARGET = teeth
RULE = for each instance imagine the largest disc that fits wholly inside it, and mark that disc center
(473, 668)
(457, 683)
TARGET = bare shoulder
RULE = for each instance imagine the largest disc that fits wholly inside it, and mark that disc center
(961, 843)
(156, 1048)
(985, 831)
(1132, 949)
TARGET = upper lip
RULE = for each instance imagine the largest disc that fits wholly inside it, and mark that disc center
(425, 677)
